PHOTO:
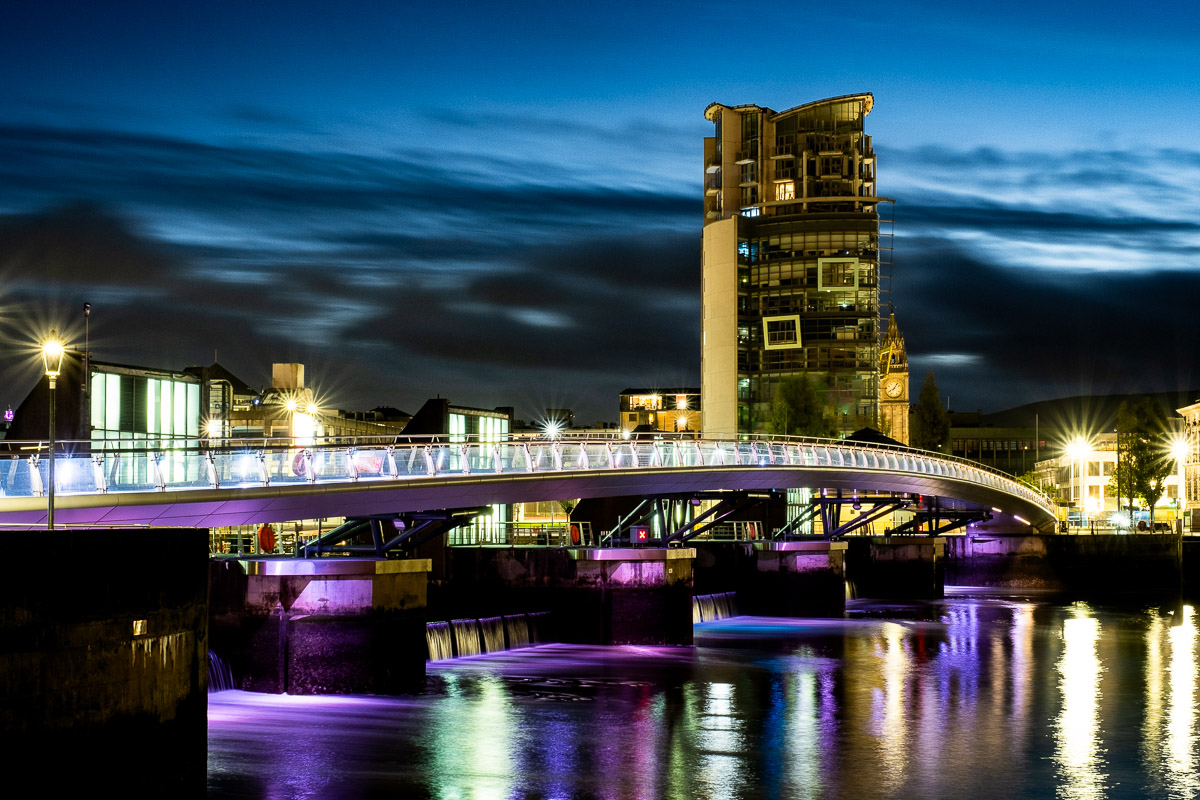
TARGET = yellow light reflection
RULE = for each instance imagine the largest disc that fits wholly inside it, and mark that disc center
(1181, 708)
(719, 738)
(805, 741)
(472, 740)
(1076, 731)
(892, 752)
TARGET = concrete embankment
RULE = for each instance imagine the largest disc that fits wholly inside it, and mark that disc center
(103, 661)
(1094, 565)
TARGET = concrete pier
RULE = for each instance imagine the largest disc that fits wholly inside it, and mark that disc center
(103, 661)
(321, 626)
(783, 579)
(595, 595)
(897, 567)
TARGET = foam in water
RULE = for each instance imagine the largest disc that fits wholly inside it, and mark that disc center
(439, 641)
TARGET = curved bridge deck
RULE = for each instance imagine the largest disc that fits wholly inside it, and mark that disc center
(247, 482)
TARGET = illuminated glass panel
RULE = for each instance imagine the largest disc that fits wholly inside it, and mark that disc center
(152, 406)
(785, 190)
(112, 403)
(179, 426)
(97, 386)
(458, 427)
(193, 410)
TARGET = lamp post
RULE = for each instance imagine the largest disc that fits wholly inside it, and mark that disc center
(52, 357)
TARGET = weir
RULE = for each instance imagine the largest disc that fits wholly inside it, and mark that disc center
(469, 637)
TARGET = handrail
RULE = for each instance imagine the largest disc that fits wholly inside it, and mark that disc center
(91, 467)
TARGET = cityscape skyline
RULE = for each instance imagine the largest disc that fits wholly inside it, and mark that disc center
(504, 206)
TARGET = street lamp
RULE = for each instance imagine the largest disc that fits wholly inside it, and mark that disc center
(52, 357)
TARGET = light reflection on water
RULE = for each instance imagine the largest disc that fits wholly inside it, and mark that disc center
(981, 698)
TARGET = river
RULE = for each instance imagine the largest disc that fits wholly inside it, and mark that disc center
(980, 695)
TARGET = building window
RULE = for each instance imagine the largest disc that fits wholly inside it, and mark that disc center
(785, 190)
(780, 332)
(837, 273)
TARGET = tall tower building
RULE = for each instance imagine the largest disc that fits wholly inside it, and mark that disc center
(893, 384)
(791, 261)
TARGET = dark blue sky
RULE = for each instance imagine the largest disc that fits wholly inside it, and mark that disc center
(501, 203)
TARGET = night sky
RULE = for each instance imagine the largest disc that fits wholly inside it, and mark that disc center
(501, 203)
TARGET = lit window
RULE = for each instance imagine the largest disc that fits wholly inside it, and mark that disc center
(779, 332)
(785, 190)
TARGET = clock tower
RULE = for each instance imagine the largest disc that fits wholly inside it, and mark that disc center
(893, 383)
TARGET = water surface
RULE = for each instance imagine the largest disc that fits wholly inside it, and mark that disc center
(973, 696)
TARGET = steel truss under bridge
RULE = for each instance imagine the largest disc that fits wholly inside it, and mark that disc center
(929, 517)
(382, 534)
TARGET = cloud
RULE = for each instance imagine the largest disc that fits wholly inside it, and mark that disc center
(499, 278)
(1017, 337)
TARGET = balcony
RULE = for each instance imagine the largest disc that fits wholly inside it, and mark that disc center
(747, 156)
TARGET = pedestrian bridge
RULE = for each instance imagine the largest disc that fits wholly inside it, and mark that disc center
(247, 482)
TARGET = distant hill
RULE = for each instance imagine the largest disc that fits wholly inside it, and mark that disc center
(1086, 412)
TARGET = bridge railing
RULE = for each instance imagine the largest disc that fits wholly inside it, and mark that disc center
(96, 468)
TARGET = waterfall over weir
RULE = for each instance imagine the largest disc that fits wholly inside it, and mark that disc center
(439, 641)
(470, 637)
(707, 607)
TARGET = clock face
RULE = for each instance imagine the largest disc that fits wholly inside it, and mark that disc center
(893, 388)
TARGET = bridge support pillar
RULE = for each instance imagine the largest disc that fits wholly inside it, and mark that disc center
(776, 579)
(628, 596)
(797, 579)
(321, 626)
(896, 567)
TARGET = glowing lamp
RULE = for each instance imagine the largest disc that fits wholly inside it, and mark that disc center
(52, 356)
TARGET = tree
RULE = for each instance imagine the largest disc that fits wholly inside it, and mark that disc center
(931, 423)
(1033, 480)
(1143, 459)
(800, 408)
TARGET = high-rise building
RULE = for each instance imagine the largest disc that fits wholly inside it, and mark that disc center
(791, 261)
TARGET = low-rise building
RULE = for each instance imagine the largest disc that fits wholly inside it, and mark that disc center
(675, 410)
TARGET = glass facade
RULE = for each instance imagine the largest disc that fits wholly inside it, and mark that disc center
(144, 415)
(807, 267)
(142, 409)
